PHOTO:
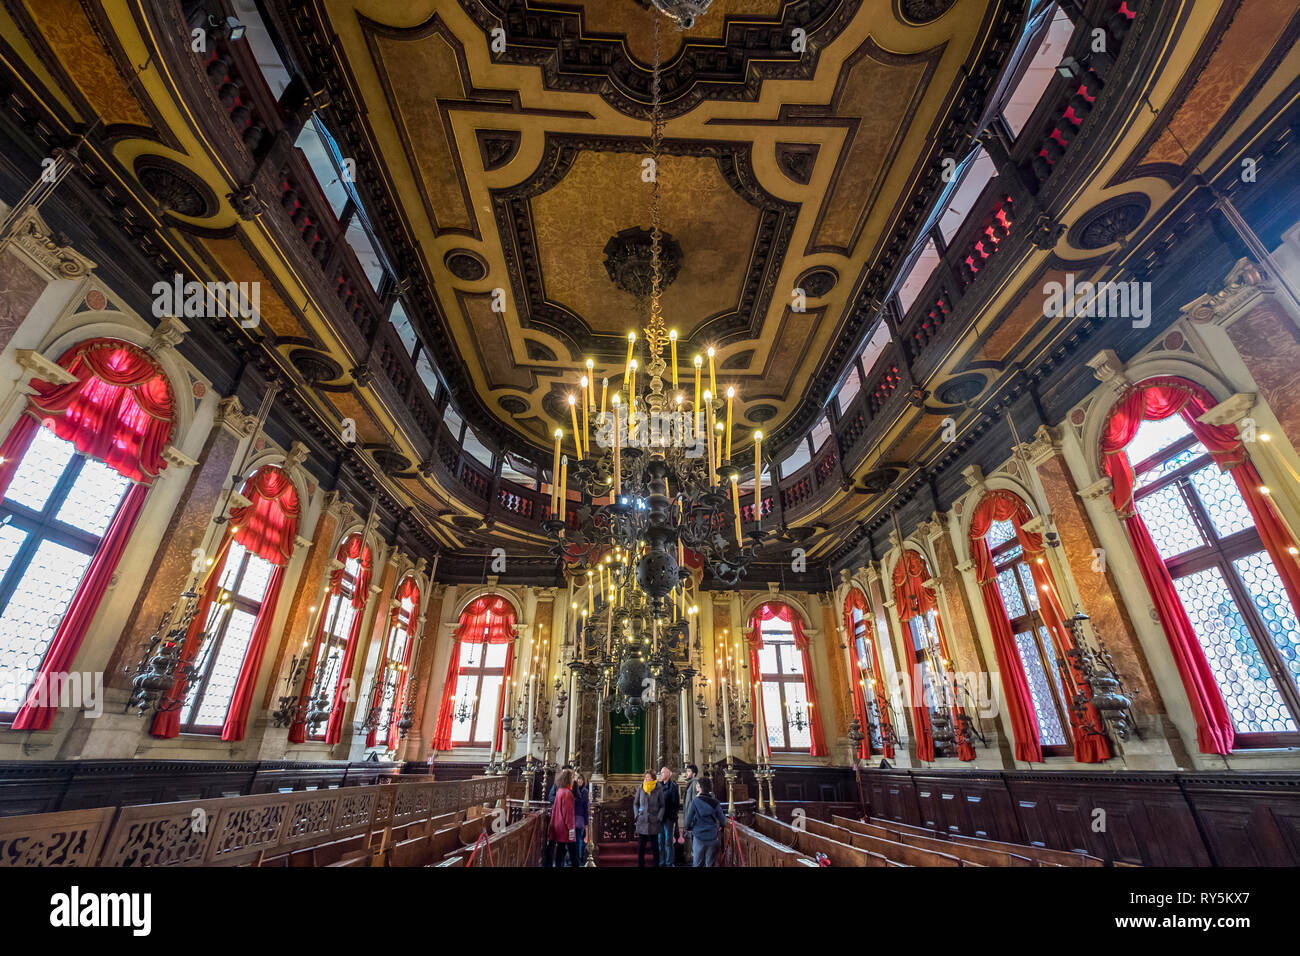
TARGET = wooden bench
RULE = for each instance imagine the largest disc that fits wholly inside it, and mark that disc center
(969, 855)
(889, 849)
(810, 844)
(1043, 856)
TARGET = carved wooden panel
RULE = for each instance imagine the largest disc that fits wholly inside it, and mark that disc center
(55, 839)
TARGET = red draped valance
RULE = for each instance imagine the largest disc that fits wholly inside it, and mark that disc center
(120, 410)
(487, 620)
(354, 549)
(269, 524)
(911, 596)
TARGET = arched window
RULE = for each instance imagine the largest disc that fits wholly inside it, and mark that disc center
(778, 656)
(1030, 637)
(395, 662)
(334, 647)
(474, 694)
(74, 473)
(228, 638)
(932, 680)
(1215, 557)
(869, 683)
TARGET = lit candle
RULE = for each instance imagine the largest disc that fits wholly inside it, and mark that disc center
(631, 344)
(726, 718)
(591, 596)
(717, 436)
(713, 385)
(604, 390)
(695, 408)
(577, 433)
(591, 377)
(631, 405)
(731, 397)
(708, 404)
(758, 476)
(555, 474)
(618, 470)
(586, 424)
(735, 502)
(672, 342)
(564, 485)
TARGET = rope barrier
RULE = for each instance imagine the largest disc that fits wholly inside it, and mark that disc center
(736, 836)
(482, 839)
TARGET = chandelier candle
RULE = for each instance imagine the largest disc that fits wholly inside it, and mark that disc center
(618, 468)
(555, 474)
(695, 409)
(564, 486)
(577, 434)
(672, 341)
(586, 423)
(713, 385)
(631, 344)
(708, 404)
(735, 502)
(591, 378)
(731, 398)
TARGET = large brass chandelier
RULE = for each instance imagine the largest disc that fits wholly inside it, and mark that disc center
(659, 481)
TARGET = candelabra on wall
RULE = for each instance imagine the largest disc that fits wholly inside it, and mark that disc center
(1095, 667)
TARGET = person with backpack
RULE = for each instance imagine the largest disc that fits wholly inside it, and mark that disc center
(705, 821)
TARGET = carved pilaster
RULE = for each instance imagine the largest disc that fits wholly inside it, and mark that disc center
(1230, 411)
(232, 417)
(1107, 367)
(1245, 286)
(34, 239)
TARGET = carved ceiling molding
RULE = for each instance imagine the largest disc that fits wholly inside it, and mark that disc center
(513, 217)
(733, 68)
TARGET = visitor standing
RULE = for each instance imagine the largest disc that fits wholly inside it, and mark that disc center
(705, 821)
(564, 838)
(672, 803)
(581, 807)
(648, 808)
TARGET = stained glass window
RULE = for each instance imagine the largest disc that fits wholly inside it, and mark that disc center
(1033, 642)
(478, 694)
(785, 694)
(241, 589)
(1231, 591)
(58, 507)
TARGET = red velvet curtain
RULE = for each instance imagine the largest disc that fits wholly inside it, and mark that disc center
(783, 612)
(1000, 506)
(855, 601)
(489, 619)
(406, 591)
(120, 411)
(755, 644)
(267, 527)
(911, 598)
(1157, 399)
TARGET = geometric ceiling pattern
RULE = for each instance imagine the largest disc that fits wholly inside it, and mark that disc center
(512, 136)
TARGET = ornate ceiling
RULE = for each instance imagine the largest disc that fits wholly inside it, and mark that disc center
(512, 170)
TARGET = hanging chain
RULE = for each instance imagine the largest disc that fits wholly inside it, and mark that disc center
(655, 330)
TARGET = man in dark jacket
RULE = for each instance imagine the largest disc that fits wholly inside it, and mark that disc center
(688, 796)
(672, 803)
(705, 821)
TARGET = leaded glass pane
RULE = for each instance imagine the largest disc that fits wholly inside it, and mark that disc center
(93, 498)
(225, 669)
(11, 539)
(999, 533)
(1154, 435)
(1011, 598)
(791, 659)
(1170, 522)
(46, 458)
(485, 721)
(772, 715)
(252, 587)
(1218, 493)
(33, 615)
(1259, 575)
(1027, 579)
(767, 659)
(1248, 689)
(797, 712)
(462, 730)
(1169, 466)
(495, 655)
(1050, 733)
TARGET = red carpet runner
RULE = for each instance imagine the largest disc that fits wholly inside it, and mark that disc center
(621, 853)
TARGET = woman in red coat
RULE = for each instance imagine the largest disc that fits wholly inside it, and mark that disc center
(562, 834)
